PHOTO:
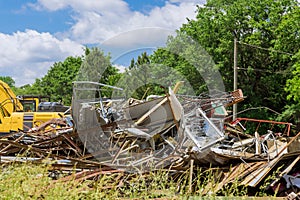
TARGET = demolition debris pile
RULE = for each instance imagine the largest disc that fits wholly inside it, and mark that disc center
(171, 132)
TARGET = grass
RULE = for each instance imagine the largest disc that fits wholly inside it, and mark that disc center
(32, 181)
(28, 181)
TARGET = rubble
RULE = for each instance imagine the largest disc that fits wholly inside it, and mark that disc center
(172, 132)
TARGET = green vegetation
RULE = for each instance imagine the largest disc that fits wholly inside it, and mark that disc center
(57, 83)
(265, 31)
(269, 70)
(7, 79)
(28, 181)
(268, 58)
(96, 67)
(32, 181)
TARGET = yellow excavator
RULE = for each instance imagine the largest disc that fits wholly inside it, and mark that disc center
(13, 116)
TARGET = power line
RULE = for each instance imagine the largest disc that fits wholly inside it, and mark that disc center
(261, 70)
(254, 108)
(266, 49)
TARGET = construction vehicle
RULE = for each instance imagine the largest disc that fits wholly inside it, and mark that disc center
(40, 103)
(13, 116)
(31, 102)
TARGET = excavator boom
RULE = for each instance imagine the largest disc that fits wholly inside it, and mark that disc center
(8, 100)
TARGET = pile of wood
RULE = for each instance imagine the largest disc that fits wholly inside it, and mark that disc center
(172, 132)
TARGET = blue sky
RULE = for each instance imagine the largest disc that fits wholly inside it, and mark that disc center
(34, 34)
(19, 17)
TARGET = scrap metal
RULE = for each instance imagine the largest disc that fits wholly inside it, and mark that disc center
(174, 132)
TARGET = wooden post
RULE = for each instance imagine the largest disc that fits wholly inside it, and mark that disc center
(235, 76)
(191, 176)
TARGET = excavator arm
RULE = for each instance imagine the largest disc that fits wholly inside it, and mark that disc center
(8, 100)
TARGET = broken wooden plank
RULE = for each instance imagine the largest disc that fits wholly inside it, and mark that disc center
(259, 174)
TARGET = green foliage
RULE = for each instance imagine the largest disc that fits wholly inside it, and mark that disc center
(96, 67)
(202, 48)
(25, 89)
(191, 64)
(33, 181)
(293, 84)
(57, 83)
(28, 181)
(139, 79)
(289, 30)
(8, 80)
(263, 70)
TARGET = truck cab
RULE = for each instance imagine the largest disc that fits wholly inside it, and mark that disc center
(31, 102)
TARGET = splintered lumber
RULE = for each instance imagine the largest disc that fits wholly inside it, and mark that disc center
(88, 174)
(285, 171)
(237, 172)
(254, 179)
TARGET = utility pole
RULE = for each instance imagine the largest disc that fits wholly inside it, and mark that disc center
(235, 75)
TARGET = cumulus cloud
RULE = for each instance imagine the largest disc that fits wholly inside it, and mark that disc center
(128, 44)
(121, 68)
(112, 24)
(185, 1)
(86, 5)
(97, 21)
(28, 55)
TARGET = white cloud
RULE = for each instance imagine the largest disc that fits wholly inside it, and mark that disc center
(121, 68)
(28, 55)
(97, 21)
(186, 1)
(77, 5)
(128, 44)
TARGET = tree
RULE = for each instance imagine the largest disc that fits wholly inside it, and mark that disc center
(138, 75)
(134, 80)
(293, 84)
(190, 63)
(144, 77)
(292, 110)
(57, 83)
(259, 28)
(288, 30)
(8, 80)
(96, 67)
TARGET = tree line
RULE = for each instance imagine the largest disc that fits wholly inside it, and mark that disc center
(268, 59)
